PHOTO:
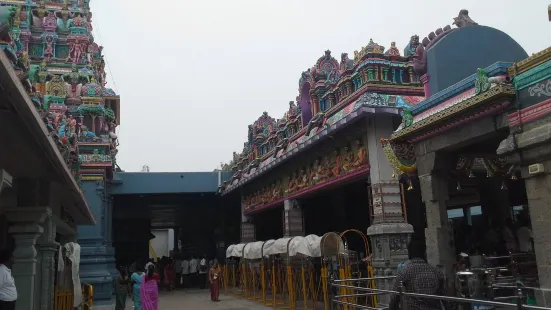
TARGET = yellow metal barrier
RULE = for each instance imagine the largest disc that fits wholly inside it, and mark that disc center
(87, 296)
(64, 299)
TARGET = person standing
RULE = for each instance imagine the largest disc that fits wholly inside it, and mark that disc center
(136, 281)
(121, 285)
(149, 291)
(417, 276)
(169, 274)
(178, 270)
(193, 264)
(8, 291)
(203, 270)
(214, 281)
(185, 272)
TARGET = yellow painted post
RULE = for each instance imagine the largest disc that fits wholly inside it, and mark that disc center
(343, 290)
(324, 284)
(262, 282)
(304, 291)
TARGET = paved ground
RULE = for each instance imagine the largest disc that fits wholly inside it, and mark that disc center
(200, 300)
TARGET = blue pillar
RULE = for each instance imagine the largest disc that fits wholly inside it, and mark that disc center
(94, 255)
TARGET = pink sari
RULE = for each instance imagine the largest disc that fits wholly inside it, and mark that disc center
(149, 293)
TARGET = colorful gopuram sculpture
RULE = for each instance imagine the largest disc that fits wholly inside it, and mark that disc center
(52, 49)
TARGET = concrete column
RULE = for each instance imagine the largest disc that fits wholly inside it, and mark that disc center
(432, 169)
(93, 262)
(389, 232)
(538, 190)
(25, 229)
(293, 225)
(47, 249)
(248, 232)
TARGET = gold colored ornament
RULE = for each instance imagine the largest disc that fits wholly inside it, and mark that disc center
(514, 177)
(410, 187)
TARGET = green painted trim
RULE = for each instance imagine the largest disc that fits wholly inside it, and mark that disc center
(533, 76)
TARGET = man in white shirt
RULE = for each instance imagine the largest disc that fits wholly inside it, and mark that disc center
(203, 269)
(193, 264)
(8, 291)
(185, 272)
(178, 270)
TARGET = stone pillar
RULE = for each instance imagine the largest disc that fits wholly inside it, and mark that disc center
(110, 250)
(248, 232)
(25, 229)
(293, 225)
(432, 169)
(47, 249)
(389, 232)
(93, 256)
(538, 190)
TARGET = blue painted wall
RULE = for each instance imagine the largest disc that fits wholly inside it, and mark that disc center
(460, 53)
(166, 182)
(94, 256)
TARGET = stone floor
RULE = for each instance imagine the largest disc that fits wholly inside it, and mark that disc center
(200, 300)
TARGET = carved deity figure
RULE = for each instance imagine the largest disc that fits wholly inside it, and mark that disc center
(348, 159)
(463, 19)
(56, 86)
(293, 178)
(337, 167)
(302, 179)
(39, 13)
(73, 78)
(49, 48)
(63, 16)
(276, 192)
(393, 50)
(361, 160)
(324, 170)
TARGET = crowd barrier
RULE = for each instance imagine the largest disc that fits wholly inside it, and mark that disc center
(292, 273)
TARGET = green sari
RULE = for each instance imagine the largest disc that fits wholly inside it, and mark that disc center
(121, 286)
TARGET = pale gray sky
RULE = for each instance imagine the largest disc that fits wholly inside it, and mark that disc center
(193, 74)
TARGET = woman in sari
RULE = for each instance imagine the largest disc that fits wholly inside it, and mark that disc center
(170, 276)
(136, 280)
(121, 284)
(150, 290)
(214, 280)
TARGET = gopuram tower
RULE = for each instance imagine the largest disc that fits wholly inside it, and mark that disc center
(52, 48)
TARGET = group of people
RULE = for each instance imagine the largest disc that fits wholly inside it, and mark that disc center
(141, 283)
(192, 272)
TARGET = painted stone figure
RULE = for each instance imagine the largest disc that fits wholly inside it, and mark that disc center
(361, 160)
(292, 184)
(302, 180)
(348, 159)
(337, 168)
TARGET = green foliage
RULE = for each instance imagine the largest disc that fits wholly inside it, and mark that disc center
(224, 166)
(109, 114)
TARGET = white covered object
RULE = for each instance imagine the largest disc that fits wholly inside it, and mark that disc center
(72, 251)
(238, 250)
(296, 245)
(253, 250)
(310, 246)
(229, 251)
(268, 244)
(278, 247)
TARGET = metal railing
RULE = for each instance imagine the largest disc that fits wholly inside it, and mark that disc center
(64, 298)
(343, 300)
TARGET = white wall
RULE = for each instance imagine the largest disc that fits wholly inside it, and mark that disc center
(163, 242)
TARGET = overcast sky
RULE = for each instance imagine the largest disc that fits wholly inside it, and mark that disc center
(193, 74)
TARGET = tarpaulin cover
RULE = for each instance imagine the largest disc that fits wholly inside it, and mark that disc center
(253, 250)
(278, 247)
(229, 251)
